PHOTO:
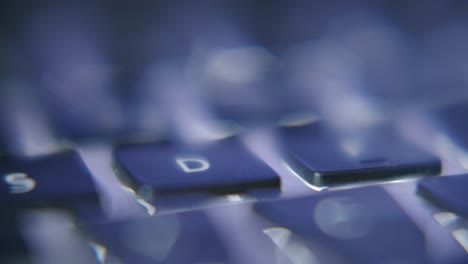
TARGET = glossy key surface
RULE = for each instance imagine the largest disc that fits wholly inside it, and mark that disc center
(180, 238)
(56, 178)
(221, 167)
(323, 157)
(448, 192)
(362, 225)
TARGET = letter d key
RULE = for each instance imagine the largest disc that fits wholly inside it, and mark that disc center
(190, 165)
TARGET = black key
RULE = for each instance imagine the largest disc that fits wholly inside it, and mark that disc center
(324, 158)
(221, 167)
(362, 225)
(448, 192)
(179, 238)
(58, 179)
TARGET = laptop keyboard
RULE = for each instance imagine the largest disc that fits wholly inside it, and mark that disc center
(233, 132)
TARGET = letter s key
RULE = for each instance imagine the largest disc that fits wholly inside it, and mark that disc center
(19, 183)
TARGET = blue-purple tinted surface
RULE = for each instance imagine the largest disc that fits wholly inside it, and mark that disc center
(94, 68)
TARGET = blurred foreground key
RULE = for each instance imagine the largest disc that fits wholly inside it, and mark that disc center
(447, 192)
(59, 180)
(220, 167)
(362, 225)
(324, 157)
(182, 238)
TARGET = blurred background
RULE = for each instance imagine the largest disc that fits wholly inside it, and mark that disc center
(85, 70)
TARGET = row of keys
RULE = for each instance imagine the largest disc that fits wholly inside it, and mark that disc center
(222, 167)
(362, 225)
(343, 222)
(318, 156)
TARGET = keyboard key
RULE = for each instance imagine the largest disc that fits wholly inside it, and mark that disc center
(247, 84)
(362, 225)
(221, 167)
(448, 192)
(324, 158)
(58, 178)
(182, 238)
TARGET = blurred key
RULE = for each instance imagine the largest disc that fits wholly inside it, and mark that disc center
(448, 192)
(362, 225)
(246, 84)
(220, 167)
(60, 180)
(42, 235)
(182, 238)
(323, 157)
(72, 75)
(56, 179)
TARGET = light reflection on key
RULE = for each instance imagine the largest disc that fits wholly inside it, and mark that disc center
(343, 218)
(155, 239)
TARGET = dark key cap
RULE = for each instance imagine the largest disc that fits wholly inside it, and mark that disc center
(179, 238)
(323, 158)
(448, 192)
(362, 225)
(221, 167)
(58, 179)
